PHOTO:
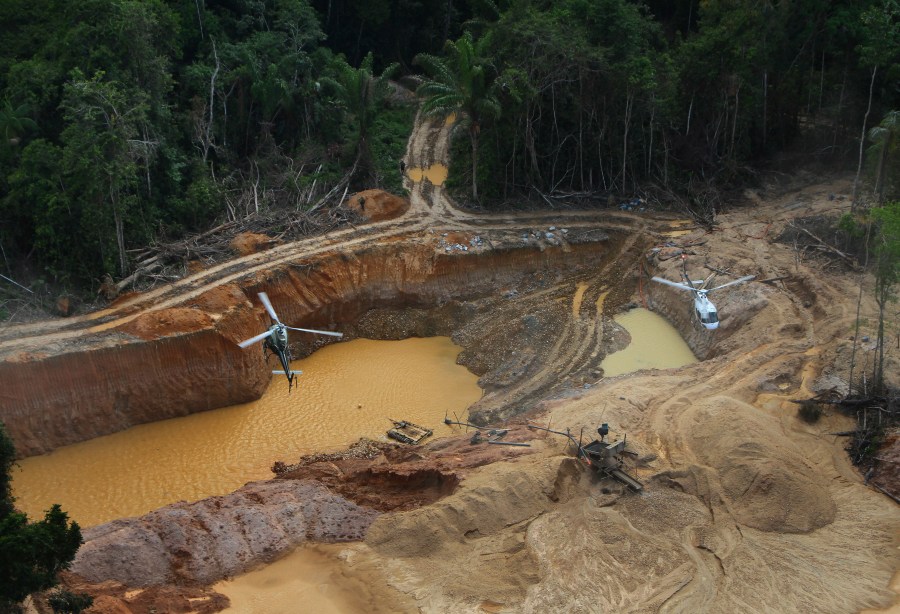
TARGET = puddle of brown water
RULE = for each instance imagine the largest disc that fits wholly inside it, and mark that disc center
(318, 578)
(347, 391)
(655, 344)
(436, 174)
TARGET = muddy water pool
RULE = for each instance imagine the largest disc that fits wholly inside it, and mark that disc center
(325, 578)
(347, 391)
(655, 344)
(436, 174)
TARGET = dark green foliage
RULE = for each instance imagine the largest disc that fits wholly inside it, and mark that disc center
(67, 602)
(7, 460)
(810, 412)
(389, 133)
(462, 83)
(361, 95)
(31, 553)
(123, 122)
(884, 155)
(887, 276)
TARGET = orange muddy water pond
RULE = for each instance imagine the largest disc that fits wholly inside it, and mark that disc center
(436, 174)
(655, 344)
(347, 391)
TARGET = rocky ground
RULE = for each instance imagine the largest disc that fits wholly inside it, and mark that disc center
(745, 507)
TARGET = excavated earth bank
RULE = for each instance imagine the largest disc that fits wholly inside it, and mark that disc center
(745, 507)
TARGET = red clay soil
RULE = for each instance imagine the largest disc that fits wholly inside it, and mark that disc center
(388, 477)
(377, 205)
(115, 598)
(248, 243)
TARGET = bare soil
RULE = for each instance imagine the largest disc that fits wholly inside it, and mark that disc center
(746, 508)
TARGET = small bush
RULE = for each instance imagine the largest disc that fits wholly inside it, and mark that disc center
(810, 413)
(67, 602)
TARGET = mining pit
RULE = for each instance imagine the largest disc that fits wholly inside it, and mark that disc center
(744, 507)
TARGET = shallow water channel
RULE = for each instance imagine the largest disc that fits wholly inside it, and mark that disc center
(347, 391)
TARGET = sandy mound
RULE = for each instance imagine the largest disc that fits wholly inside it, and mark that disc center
(377, 205)
(484, 523)
(768, 485)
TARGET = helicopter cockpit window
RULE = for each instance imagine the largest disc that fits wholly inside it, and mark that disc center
(710, 317)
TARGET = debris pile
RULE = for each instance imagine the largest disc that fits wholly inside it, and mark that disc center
(551, 236)
(635, 204)
(449, 245)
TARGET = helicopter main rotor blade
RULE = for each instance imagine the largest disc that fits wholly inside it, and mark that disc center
(252, 340)
(674, 284)
(264, 298)
(317, 332)
(736, 281)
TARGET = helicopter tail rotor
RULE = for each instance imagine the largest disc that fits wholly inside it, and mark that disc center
(252, 340)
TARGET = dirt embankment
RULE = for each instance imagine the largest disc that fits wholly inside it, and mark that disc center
(178, 360)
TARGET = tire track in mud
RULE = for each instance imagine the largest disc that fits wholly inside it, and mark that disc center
(579, 342)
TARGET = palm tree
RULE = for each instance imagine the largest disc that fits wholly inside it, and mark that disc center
(884, 138)
(461, 83)
(361, 93)
(14, 122)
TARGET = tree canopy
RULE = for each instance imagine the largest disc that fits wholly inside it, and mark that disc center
(31, 553)
(124, 122)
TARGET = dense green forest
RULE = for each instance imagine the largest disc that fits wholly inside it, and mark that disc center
(126, 122)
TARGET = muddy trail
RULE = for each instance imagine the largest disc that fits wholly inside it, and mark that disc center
(745, 507)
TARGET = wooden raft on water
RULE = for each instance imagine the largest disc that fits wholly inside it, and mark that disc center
(407, 432)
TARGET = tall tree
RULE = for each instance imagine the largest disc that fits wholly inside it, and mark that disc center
(31, 553)
(885, 139)
(105, 150)
(462, 82)
(880, 49)
(887, 276)
(14, 122)
(361, 94)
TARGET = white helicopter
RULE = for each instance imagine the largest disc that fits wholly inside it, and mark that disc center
(276, 340)
(703, 307)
